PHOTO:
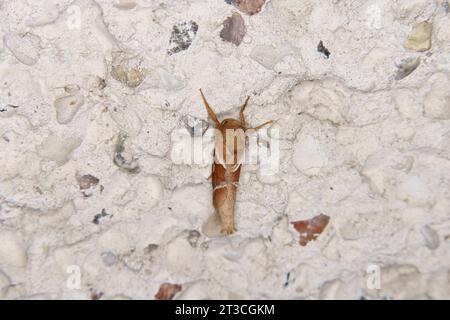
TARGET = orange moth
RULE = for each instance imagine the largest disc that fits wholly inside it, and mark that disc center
(226, 168)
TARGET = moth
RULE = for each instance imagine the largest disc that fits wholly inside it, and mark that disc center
(226, 168)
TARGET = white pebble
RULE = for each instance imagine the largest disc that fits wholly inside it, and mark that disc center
(198, 211)
(310, 156)
(170, 82)
(182, 258)
(67, 107)
(407, 104)
(148, 192)
(269, 56)
(57, 149)
(12, 249)
(114, 241)
(436, 104)
(25, 47)
(401, 282)
(414, 190)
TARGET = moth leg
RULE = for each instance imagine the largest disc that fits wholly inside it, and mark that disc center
(228, 230)
(260, 126)
(235, 167)
(241, 112)
(210, 111)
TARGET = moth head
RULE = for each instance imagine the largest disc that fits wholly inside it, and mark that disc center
(231, 124)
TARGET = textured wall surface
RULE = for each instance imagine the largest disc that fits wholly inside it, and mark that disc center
(93, 206)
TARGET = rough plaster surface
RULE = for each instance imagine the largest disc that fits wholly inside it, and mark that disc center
(359, 141)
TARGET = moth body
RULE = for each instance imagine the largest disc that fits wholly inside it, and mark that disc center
(226, 169)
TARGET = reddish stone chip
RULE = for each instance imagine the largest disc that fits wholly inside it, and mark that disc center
(310, 229)
(167, 291)
(87, 181)
(249, 6)
(233, 29)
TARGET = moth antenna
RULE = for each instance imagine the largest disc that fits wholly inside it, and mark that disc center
(210, 111)
(261, 125)
(241, 112)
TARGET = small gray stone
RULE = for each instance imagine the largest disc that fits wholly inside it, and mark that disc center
(182, 36)
(406, 67)
(431, 237)
(124, 159)
(233, 29)
(109, 258)
(193, 237)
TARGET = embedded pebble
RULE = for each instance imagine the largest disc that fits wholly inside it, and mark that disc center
(414, 190)
(247, 6)
(100, 215)
(182, 36)
(96, 83)
(436, 104)
(193, 237)
(351, 229)
(182, 259)
(402, 281)
(420, 37)
(195, 213)
(406, 67)
(67, 107)
(431, 237)
(170, 82)
(310, 229)
(12, 249)
(281, 235)
(109, 258)
(233, 29)
(149, 191)
(310, 156)
(25, 47)
(125, 4)
(407, 105)
(123, 158)
(57, 149)
(115, 241)
(375, 172)
(167, 291)
(128, 70)
(72, 88)
(322, 49)
(380, 166)
(87, 181)
(269, 56)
